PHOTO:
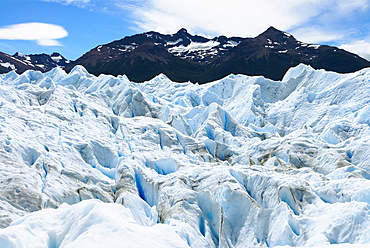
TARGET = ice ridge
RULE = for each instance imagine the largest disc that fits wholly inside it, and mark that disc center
(243, 161)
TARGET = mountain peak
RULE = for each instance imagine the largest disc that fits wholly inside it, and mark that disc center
(276, 35)
(185, 57)
(182, 31)
(271, 31)
(55, 54)
(18, 54)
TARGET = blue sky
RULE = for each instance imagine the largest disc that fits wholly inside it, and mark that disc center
(73, 27)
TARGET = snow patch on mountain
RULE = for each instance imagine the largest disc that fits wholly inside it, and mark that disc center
(193, 47)
(239, 162)
(231, 43)
(8, 65)
(56, 58)
(172, 43)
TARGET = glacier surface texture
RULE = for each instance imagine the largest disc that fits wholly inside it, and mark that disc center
(244, 161)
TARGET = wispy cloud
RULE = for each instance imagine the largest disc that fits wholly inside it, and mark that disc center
(43, 33)
(333, 22)
(79, 3)
(326, 20)
(240, 17)
(360, 47)
(314, 21)
(234, 17)
(317, 34)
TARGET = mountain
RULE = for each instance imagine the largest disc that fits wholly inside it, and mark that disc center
(40, 62)
(243, 161)
(185, 57)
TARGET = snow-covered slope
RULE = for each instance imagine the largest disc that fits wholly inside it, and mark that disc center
(240, 162)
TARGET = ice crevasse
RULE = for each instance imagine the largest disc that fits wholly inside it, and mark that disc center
(90, 161)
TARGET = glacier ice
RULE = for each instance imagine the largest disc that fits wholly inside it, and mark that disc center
(244, 161)
(81, 225)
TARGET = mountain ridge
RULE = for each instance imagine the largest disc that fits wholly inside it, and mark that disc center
(270, 54)
(39, 62)
(185, 57)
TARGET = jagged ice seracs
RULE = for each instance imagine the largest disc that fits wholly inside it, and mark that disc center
(90, 161)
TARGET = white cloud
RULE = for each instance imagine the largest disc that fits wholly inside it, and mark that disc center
(360, 47)
(234, 17)
(79, 3)
(313, 20)
(48, 43)
(45, 34)
(316, 35)
(246, 18)
(353, 5)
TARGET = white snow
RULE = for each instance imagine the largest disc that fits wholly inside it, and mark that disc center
(231, 43)
(56, 58)
(8, 65)
(26, 62)
(125, 48)
(314, 46)
(239, 162)
(41, 66)
(194, 46)
(171, 43)
(21, 54)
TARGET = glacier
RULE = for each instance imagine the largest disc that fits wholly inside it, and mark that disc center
(244, 161)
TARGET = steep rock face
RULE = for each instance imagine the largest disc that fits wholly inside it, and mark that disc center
(184, 57)
(239, 162)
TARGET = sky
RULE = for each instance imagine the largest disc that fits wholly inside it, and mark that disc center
(74, 27)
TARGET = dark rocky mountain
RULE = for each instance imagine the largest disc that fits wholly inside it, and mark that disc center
(8, 63)
(39, 62)
(186, 57)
